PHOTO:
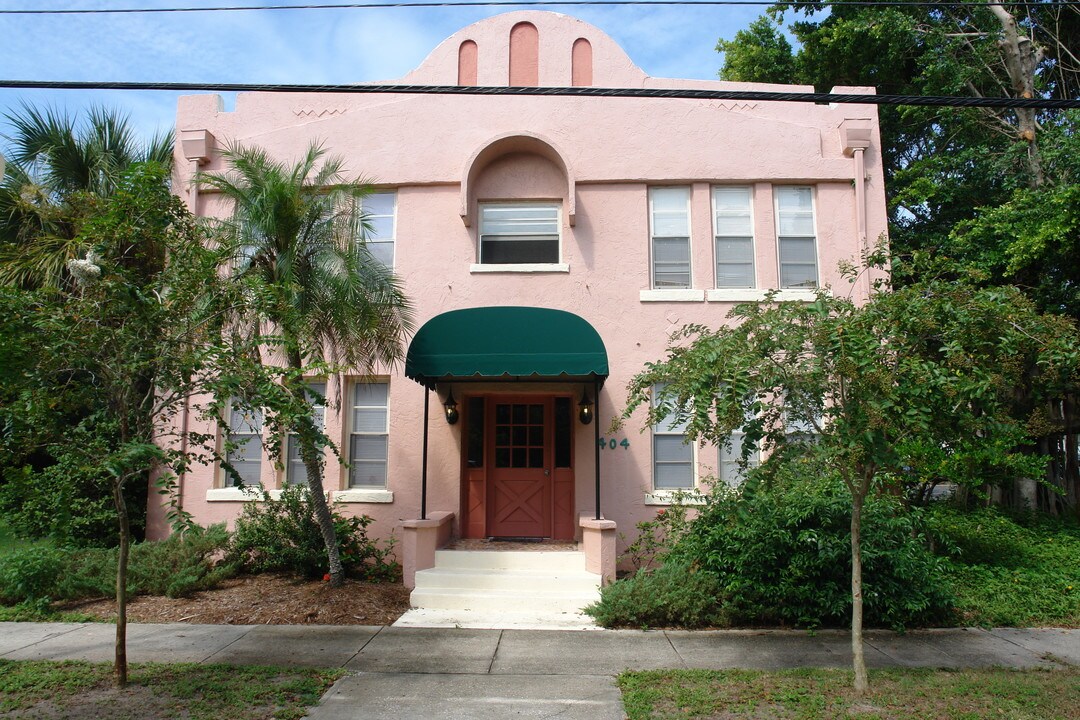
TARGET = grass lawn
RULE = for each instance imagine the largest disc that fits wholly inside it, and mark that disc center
(80, 690)
(814, 694)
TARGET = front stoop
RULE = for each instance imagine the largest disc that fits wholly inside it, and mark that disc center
(496, 589)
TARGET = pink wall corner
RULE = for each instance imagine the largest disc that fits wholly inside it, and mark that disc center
(420, 540)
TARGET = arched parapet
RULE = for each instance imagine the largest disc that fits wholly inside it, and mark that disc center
(512, 143)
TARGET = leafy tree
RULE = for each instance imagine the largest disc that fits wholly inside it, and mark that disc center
(914, 385)
(760, 53)
(146, 304)
(59, 168)
(297, 233)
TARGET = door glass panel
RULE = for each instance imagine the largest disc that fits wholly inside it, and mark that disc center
(475, 455)
(519, 436)
(563, 428)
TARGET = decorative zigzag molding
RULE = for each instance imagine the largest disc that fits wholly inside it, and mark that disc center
(318, 112)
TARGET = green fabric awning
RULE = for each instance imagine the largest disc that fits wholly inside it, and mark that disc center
(505, 342)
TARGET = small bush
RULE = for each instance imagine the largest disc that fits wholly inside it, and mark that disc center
(31, 574)
(783, 556)
(180, 565)
(282, 535)
(675, 594)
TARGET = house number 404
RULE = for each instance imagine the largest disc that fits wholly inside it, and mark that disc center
(612, 443)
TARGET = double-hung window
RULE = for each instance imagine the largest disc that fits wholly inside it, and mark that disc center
(733, 228)
(797, 239)
(368, 435)
(244, 452)
(669, 227)
(731, 470)
(295, 472)
(523, 233)
(379, 211)
(673, 457)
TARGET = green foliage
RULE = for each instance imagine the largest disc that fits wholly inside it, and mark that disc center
(760, 53)
(676, 594)
(1010, 570)
(178, 566)
(282, 535)
(782, 555)
(656, 537)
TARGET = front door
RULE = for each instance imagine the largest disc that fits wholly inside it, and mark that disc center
(519, 461)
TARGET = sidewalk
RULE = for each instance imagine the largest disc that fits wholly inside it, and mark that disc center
(458, 673)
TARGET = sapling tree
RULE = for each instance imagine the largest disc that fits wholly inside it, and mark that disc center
(912, 384)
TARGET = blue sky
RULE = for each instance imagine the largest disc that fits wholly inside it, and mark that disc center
(296, 46)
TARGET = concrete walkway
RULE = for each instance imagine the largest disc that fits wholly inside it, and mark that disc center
(436, 673)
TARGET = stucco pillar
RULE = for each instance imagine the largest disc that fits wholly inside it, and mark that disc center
(420, 541)
(598, 542)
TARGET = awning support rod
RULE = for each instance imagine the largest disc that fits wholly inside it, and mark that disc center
(423, 472)
(596, 443)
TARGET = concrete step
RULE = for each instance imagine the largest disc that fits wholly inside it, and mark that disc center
(424, 617)
(495, 600)
(510, 560)
(523, 581)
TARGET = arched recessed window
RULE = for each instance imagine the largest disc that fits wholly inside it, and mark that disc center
(581, 63)
(466, 63)
(524, 55)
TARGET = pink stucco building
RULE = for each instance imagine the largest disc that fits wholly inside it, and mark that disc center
(550, 246)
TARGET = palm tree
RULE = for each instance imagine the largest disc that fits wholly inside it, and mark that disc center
(58, 168)
(298, 236)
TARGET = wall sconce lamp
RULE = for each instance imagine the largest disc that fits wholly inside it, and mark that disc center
(585, 408)
(450, 406)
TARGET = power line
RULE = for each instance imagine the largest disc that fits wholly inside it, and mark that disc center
(534, 3)
(742, 95)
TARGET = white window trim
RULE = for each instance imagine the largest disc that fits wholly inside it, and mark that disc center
(392, 240)
(689, 238)
(675, 295)
(366, 493)
(248, 493)
(691, 496)
(753, 238)
(748, 295)
(559, 266)
(817, 235)
(520, 268)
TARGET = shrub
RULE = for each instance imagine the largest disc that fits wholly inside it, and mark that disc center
(282, 535)
(1010, 569)
(675, 594)
(31, 574)
(783, 555)
(180, 565)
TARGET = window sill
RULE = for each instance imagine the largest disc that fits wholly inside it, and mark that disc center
(364, 495)
(688, 295)
(669, 497)
(751, 295)
(250, 493)
(521, 268)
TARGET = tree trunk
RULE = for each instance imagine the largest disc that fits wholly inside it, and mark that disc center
(311, 456)
(1021, 58)
(858, 659)
(120, 665)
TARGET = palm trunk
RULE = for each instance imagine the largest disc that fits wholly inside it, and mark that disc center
(120, 665)
(862, 683)
(311, 456)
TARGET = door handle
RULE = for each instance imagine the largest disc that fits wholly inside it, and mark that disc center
(546, 472)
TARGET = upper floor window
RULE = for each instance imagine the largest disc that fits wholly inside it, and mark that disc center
(797, 239)
(295, 472)
(734, 231)
(669, 226)
(673, 457)
(379, 209)
(369, 434)
(519, 233)
(245, 451)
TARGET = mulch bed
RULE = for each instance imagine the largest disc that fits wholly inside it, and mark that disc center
(265, 600)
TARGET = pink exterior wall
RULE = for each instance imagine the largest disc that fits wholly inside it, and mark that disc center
(610, 151)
